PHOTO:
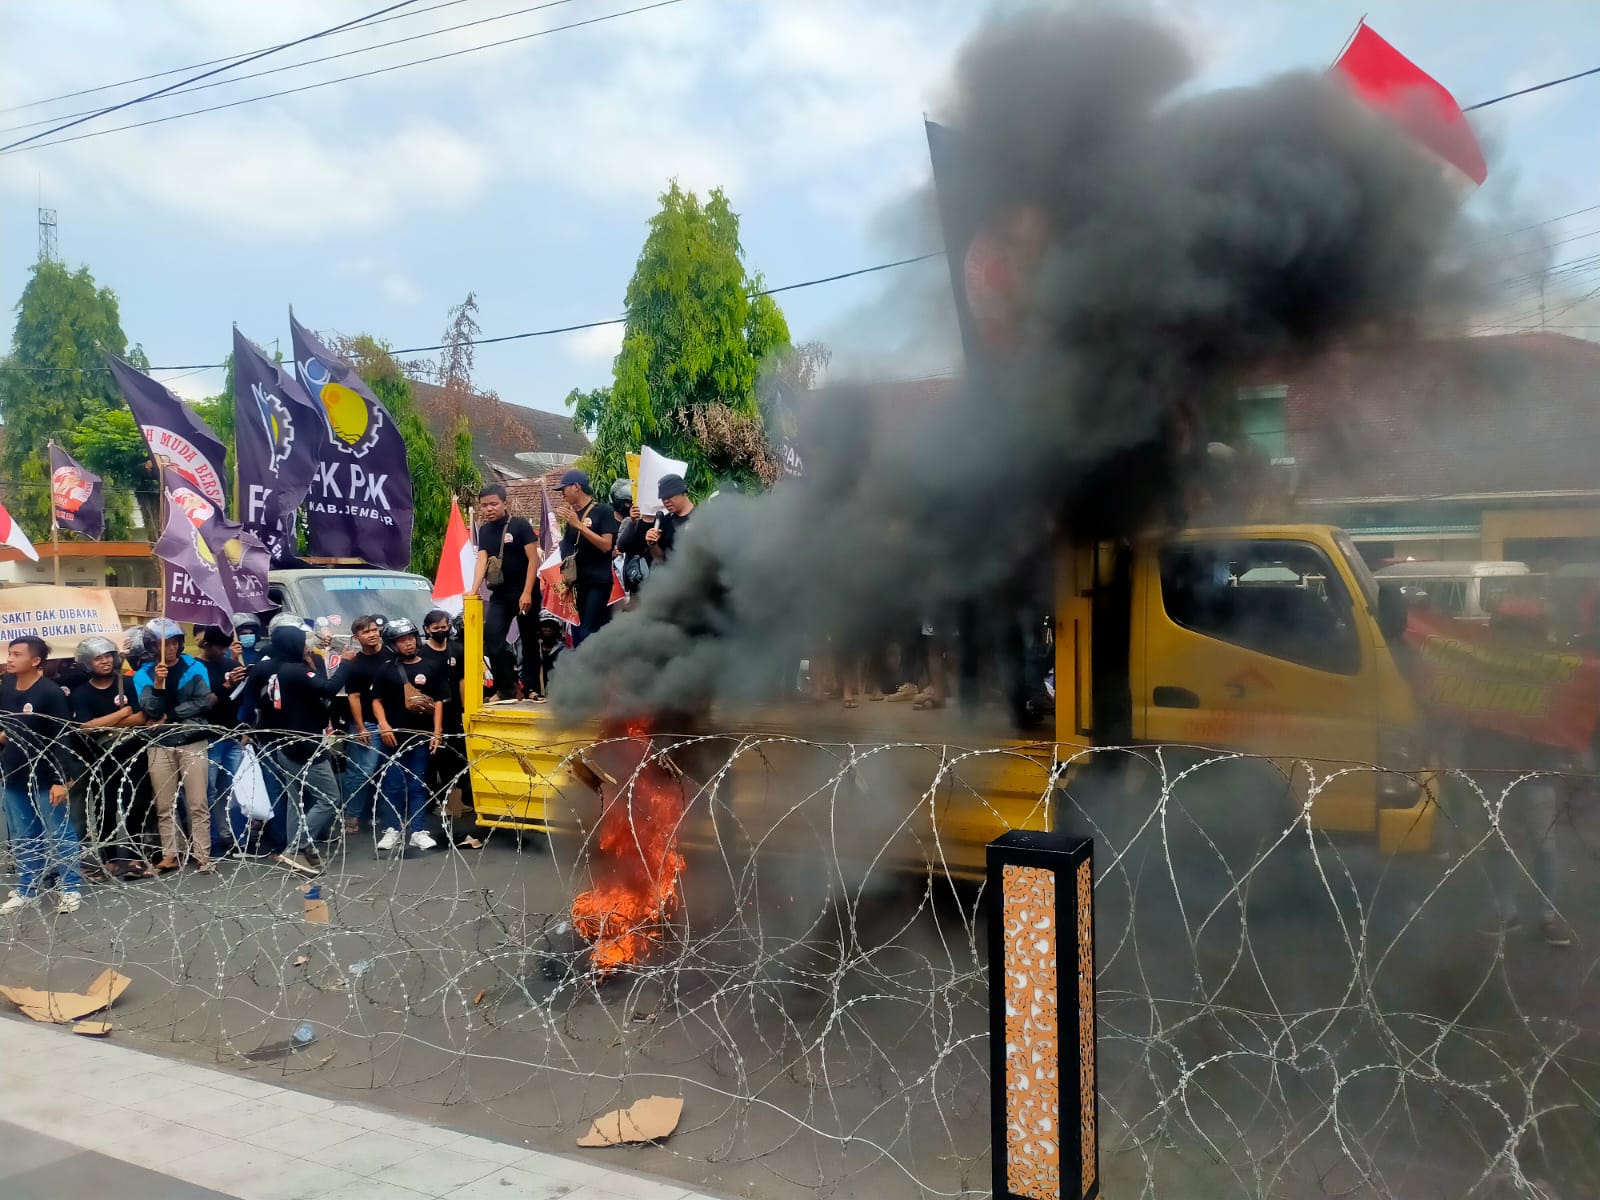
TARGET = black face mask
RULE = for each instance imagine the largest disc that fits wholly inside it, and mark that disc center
(439, 638)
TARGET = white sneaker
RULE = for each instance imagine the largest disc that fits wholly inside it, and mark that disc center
(422, 840)
(389, 840)
(70, 902)
(16, 904)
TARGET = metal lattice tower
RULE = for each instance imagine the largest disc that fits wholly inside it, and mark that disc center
(47, 235)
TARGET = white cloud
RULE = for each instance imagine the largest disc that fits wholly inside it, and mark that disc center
(598, 345)
(400, 288)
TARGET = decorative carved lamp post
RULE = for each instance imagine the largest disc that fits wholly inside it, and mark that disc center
(1041, 1017)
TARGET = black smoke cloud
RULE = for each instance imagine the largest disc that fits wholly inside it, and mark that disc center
(1177, 240)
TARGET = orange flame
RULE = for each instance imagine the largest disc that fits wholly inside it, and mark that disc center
(636, 867)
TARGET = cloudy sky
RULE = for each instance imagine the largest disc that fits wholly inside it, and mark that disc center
(526, 172)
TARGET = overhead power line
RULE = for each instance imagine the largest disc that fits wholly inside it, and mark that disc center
(311, 62)
(310, 37)
(416, 62)
(226, 58)
(551, 332)
(1538, 87)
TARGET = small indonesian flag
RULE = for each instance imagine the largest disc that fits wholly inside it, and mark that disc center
(11, 535)
(556, 598)
(458, 562)
(1391, 84)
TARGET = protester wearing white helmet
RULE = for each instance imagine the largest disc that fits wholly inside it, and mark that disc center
(101, 703)
(175, 697)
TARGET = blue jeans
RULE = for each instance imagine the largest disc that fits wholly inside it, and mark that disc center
(228, 825)
(363, 765)
(42, 838)
(405, 784)
(304, 783)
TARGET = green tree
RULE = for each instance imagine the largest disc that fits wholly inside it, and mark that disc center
(110, 444)
(454, 373)
(54, 379)
(684, 382)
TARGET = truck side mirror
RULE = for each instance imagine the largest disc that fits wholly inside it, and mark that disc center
(1392, 611)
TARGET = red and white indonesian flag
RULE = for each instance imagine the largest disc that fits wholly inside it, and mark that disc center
(458, 562)
(11, 535)
(1418, 104)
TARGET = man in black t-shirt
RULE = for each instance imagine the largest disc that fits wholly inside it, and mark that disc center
(101, 702)
(447, 768)
(591, 536)
(364, 756)
(38, 768)
(226, 672)
(511, 547)
(408, 700)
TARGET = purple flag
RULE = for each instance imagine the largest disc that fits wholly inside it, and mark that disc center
(276, 428)
(178, 439)
(219, 566)
(360, 501)
(77, 495)
(195, 591)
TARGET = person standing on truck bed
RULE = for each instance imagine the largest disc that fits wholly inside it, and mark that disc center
(175, 697)
(35, 727)
(587, 545)
(508, 551)
(365, 755)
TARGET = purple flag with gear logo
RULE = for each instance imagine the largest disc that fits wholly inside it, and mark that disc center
(276, 428)
(360, 503)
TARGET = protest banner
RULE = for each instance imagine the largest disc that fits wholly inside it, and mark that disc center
(62, 616)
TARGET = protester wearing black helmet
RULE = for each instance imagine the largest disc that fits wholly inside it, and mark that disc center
(587, 547)
(293, 717)
(407, 699)
(225, 752)
(365, 754)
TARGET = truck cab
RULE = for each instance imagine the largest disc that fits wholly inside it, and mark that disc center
(344, 593)
(1265, 640)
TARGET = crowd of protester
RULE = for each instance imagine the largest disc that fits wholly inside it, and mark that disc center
(128, 761)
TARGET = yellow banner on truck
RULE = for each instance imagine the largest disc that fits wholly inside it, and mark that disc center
(62, 616)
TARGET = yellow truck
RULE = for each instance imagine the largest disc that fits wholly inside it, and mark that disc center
(1270, 640)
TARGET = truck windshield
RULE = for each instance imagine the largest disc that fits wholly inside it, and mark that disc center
(350, 596)
(1365, 579)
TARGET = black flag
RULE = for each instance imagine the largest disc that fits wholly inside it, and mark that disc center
(77, 495)
(276, 428)
(360, 501)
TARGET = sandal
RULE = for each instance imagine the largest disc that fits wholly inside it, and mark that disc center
(924, 703)
(352, 825)
(851, 704)
(167, 865)
(205, 868)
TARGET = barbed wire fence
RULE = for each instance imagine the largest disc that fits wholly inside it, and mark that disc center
(1281, 1012)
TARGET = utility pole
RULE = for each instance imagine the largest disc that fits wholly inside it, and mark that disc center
(47, 235)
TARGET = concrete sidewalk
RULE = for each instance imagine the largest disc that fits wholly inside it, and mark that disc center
(84, 1117)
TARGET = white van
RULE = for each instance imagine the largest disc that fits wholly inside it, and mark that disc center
(1467, 591)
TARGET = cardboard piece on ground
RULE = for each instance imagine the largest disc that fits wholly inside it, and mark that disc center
(317, 912)
(652, 468)
(647, 1120)
(92, 1028)
(66, 1007)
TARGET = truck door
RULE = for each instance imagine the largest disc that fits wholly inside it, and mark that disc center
(1253, 645)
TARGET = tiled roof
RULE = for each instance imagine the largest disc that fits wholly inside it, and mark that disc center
(1509, 413)
(500, 430)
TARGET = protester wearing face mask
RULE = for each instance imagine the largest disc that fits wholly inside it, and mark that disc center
(247, 632)
(445, 656)
(552, 641)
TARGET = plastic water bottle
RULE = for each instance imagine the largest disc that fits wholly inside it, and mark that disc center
(304, 1034)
